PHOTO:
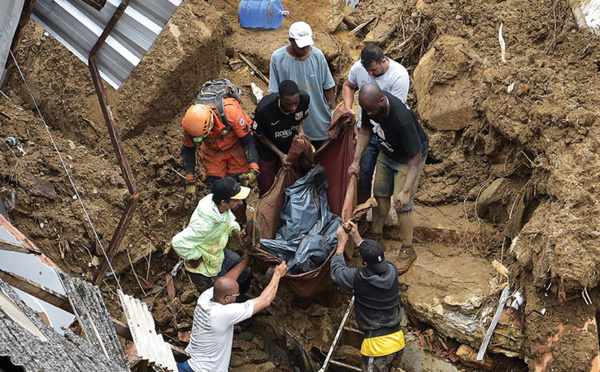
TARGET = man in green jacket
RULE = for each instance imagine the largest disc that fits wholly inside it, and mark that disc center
(202, 244)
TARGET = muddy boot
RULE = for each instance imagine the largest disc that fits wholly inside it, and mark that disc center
(407, 253)
(405, 259)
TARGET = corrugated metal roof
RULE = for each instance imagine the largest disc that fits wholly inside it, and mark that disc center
(93, 317)
(78, 26)
(9, 20)
(149, 345)
(35, 346)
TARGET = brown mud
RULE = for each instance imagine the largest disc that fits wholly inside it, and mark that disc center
(511, 175)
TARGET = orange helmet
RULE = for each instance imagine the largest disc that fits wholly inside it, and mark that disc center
(198, 120)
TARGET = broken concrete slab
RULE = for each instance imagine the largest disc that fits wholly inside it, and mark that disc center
(456, 293)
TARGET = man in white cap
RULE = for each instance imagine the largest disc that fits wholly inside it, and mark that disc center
(305, 64)
(202, 244)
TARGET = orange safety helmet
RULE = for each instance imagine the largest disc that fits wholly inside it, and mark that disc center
(198, 120)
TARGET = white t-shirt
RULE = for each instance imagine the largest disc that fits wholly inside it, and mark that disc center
(212, 332)
(395, 80)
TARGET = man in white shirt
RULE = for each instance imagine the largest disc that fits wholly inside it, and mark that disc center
(215, 316)
(373, 68)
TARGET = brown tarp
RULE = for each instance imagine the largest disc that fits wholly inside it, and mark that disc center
(335, 156)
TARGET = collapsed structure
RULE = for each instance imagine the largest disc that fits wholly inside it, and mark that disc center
(511, 173)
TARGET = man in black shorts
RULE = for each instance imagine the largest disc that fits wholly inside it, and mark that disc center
(404, 147)
(277, 119)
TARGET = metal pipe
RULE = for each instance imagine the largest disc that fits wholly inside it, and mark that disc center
(115, 139)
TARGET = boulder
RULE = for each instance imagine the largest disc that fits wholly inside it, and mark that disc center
(456, 293)
(443, 86)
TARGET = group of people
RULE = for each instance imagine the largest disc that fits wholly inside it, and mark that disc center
(241, 150)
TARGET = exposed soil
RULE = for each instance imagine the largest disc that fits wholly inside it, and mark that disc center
(532, 121)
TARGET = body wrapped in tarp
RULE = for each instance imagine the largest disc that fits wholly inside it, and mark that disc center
(335, 156)
(309, 229)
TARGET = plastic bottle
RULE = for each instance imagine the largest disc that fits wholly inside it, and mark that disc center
(262, 13)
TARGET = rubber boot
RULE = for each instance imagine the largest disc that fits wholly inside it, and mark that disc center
(407, 253)
(379, 214)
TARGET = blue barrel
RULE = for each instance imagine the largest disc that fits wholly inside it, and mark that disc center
(261, 13)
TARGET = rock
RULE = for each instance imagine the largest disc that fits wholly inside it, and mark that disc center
(161, 314)
(348, 354)
(189, 296)
(468, 357)
(443, 85)
(381, 33)
(42, 187)
(486, 196)
(450, 289)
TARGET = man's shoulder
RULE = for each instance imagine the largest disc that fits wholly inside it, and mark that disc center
(396, 69)
(357, 67)
(279, 53)
(317, 53)
(304, 96)
(267, 102)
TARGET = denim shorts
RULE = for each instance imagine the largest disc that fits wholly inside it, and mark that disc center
(390, 177)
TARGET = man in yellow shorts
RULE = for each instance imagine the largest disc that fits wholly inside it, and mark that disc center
(377, 305)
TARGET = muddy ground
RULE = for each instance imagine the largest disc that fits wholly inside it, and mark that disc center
(514, 152)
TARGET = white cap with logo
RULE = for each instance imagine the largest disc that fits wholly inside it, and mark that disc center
(302, 34)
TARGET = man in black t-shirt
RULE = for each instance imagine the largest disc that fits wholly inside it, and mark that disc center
(404, 146)
(277, 119)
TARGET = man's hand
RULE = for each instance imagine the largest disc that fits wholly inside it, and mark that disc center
(352, 229)
(354, 168)
(190, 190)
(249, 178)
(284, 161)
(281, 269)
(342, 234)
(402, 200)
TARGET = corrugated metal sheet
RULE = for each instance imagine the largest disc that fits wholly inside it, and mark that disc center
(149, 345)
(78, 26)
(30, 343)
(93, 317)
(9, 19)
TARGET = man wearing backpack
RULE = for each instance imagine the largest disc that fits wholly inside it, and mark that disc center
(217, 123)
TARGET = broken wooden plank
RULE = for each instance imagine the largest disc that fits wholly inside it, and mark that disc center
(361, 26)
(254, 68)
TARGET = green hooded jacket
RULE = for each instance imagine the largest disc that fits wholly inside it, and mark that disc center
(205, 236)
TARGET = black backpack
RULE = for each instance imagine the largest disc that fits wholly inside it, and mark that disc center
(213, 92)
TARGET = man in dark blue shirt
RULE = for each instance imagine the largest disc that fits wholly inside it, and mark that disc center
(404, 147)
(277, 119)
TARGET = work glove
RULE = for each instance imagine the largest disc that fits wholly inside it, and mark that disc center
(249, 178)
(190, 194)
(190, 190)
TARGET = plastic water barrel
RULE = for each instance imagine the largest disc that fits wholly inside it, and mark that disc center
(261, 13)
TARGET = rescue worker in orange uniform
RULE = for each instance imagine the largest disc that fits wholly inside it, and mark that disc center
(227, 149)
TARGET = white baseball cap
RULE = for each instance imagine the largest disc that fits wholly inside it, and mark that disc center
(302, 34)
